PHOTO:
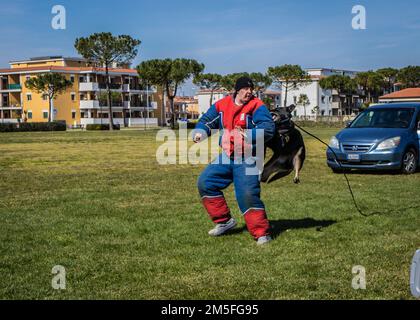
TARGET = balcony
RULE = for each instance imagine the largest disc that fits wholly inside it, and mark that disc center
(88, 86)
(137, 89)
(15, 87)
(131, 122)
(11, 107)
(96, 104)
(89, 104)
(141, 105)
(9, 120)
(94, 86)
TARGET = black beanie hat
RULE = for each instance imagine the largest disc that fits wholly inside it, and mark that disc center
(243, 82)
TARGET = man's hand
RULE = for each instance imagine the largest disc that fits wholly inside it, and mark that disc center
(197, 137)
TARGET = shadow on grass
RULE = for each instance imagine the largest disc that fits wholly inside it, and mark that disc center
(279, 226)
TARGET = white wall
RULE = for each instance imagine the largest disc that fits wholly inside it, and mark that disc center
(204, 101)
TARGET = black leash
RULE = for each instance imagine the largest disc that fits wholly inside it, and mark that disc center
(339, 164)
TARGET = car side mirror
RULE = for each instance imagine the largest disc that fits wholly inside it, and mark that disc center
(348, 124)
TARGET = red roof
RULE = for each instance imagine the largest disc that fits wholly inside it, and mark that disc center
(179, 99)
(406, 93)
(58, 68)
(272, 92)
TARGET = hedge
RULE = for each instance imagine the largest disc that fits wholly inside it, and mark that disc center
(321, 124)
(101, 127)
(33, 126)
(190, 124)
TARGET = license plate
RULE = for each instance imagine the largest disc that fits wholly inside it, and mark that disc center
(353, 157)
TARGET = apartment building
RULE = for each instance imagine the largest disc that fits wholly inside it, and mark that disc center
(85, 101)
(185, 108)
(320, 101)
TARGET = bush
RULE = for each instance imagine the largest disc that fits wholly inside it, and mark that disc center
(101, 127)
(33, 126)
(190, 124)
(320, 124)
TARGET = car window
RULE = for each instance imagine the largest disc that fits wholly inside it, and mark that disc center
(384, 118)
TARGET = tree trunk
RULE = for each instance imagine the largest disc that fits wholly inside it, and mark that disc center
(49, 111)
(171, 99)
(163, 113)
(123, 111)
(211, 98)
(109, 98)
(285, 95)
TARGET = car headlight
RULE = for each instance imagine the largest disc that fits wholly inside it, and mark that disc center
(389, 143)
(334, 143)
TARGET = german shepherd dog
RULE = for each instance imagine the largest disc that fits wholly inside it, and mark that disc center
(287, 146)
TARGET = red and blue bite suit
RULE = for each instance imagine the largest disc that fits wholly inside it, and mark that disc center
(225, 115)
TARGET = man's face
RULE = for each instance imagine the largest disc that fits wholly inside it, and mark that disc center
(245, 94)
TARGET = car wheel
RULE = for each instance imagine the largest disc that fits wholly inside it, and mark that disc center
(409, 162)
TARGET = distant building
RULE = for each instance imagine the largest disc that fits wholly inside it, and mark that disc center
(185, 108)
(405, 95)
(322, 102)
(83, 102)
(274, 96)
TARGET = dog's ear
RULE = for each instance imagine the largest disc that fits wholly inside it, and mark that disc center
(290, 108)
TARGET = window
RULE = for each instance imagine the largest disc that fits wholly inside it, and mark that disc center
(45, 97)
(29, 114)
(295, 99)
(81, 79)
(45, 114)
(323, 99)
(72, 78)
(73, 97)
(384, 118)
(82, 96)
(73, 114)
(28, 77)
(29, 97)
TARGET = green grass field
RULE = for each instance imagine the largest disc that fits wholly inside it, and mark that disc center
(125, 227)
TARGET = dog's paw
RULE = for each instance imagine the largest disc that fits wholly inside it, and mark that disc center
(296, 180)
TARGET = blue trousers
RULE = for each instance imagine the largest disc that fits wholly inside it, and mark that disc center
(222, 172)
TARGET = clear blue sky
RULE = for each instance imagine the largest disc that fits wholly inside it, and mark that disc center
(226, 35)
